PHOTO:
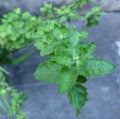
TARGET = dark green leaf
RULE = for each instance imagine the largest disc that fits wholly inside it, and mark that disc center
(87, 49)
(81, 79)
(77, 96)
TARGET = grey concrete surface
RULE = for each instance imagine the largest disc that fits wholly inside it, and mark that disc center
(34, 5)
(30, 5)
(104, 92)
(110, 5)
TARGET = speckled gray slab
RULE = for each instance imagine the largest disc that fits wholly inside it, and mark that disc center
(104, 92)
(34, 5)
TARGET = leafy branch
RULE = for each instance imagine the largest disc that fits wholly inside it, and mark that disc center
(70, 60)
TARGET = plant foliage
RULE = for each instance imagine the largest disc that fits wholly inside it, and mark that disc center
(70, 58)
(11, 100)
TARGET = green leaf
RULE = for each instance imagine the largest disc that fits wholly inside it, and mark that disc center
(86, 50)
(77, 96)
(18, 11)
(84, 35)
(63, 19)
(45, 48)
(96, 67)
(81, 79)
(47, 72)
(63, 58)
(26, 16)
(66, 80)
(93, 16)
(60, 32)
(74, 36)
(83, 2)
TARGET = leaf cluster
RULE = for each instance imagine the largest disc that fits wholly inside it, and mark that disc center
(11, 100)
(70, 61)
(16, 30)
(73, 11)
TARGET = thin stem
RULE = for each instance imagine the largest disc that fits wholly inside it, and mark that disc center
(9, 112)
(3, 70)
(21, 59)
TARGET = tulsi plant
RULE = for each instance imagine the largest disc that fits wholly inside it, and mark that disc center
(70, 59)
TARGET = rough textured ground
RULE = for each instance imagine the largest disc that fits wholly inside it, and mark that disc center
(34, 5)
(110, 5)
(104, 92)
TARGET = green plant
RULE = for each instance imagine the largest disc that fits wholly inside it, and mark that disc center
(11, 100)
(70, 59)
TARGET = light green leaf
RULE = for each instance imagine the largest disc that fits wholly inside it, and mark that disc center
(47, 72)
(63, 19)
(96, 67)
(60, 32)
(45, 49)
(77, 96)
(74, 36)
(84, 35)
(26, 16)
(66, 80)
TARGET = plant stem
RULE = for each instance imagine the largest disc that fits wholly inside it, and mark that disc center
(3, 70)
(8, 112)
(21, 59)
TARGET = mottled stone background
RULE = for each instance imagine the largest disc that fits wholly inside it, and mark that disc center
(34, 5)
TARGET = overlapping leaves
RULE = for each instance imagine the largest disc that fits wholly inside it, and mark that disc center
(17, 29)
(11, 100)
(70, 60)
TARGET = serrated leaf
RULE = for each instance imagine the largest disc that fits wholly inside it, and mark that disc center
(77, 96)
(66, 80)
(47, 72)
(96, 67)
